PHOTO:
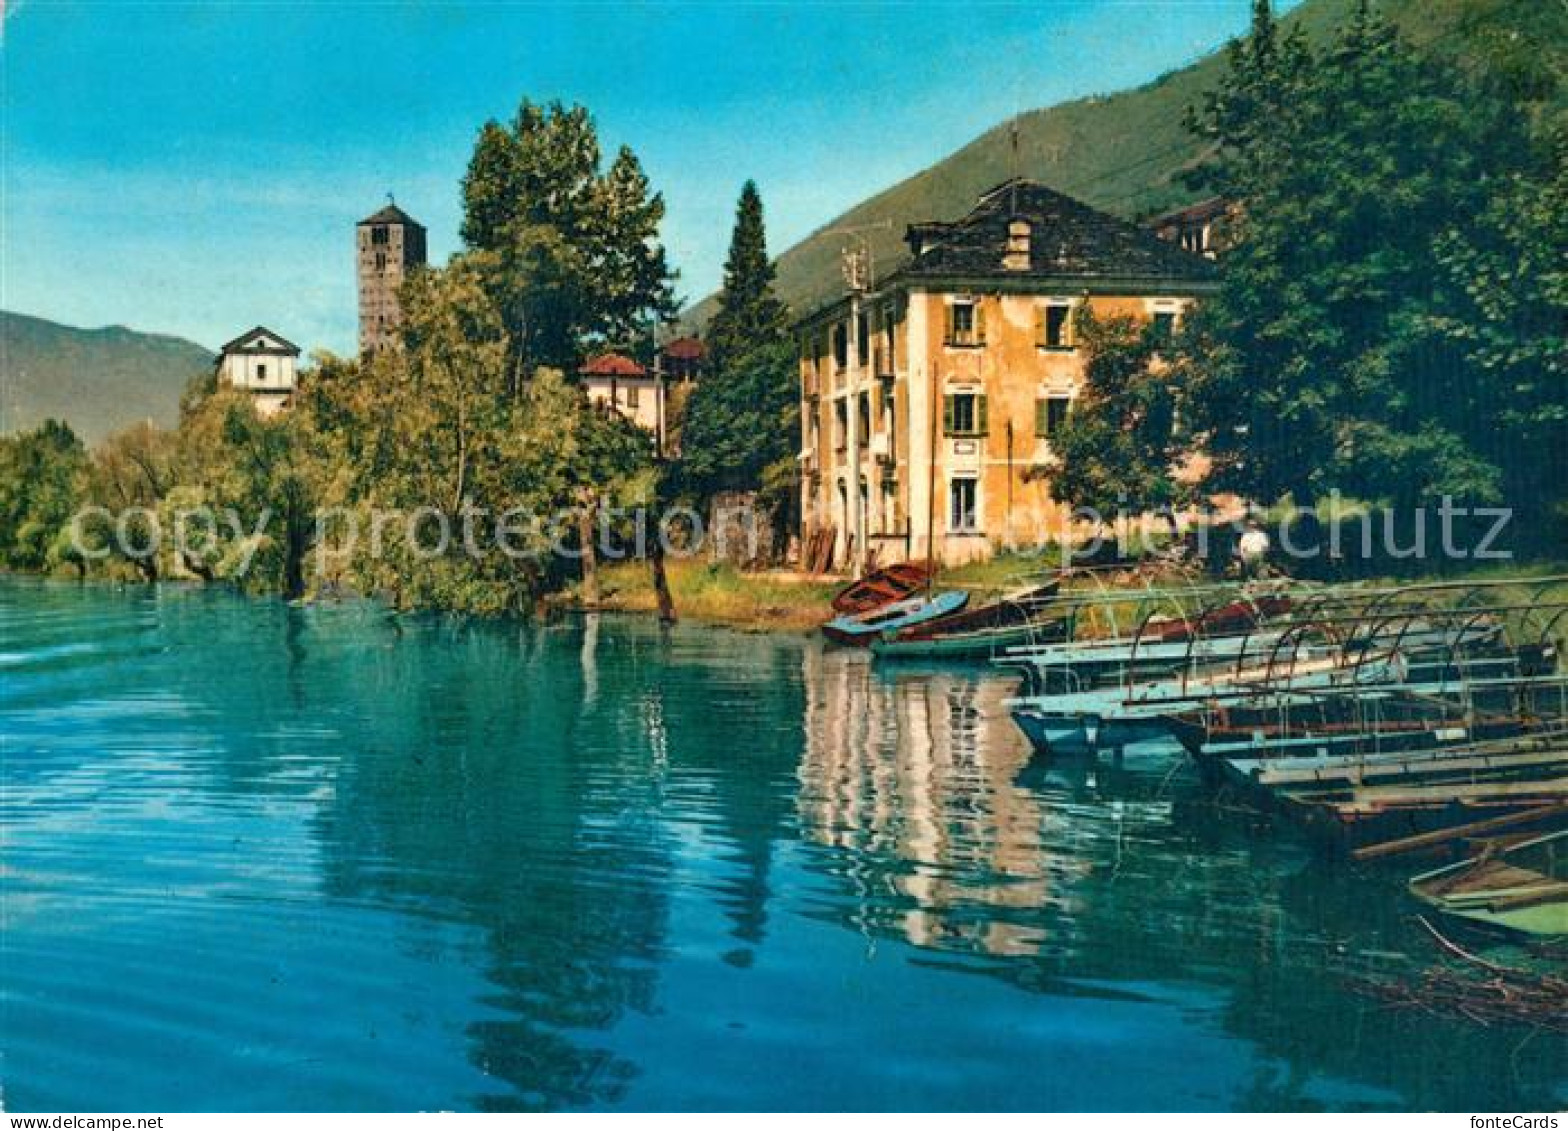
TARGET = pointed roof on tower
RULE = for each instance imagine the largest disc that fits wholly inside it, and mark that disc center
(391, 214)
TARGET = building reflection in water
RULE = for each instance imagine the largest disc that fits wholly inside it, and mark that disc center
(912, 775)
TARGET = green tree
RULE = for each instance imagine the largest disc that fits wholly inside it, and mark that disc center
(571, 255)
(1318, 365)
(630, 288)
(275, 483)
(750, 315)
(39, 493)
(1117, 448)
(739, 429)
(1506, 275)
(741, 421)
(1265, 71)
(129, 476)
(475, 481)
(488, 187)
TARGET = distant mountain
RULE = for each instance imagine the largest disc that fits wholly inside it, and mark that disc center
(95, 380)
(1125, 152)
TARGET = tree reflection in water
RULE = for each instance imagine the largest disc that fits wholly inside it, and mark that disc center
(594, 864)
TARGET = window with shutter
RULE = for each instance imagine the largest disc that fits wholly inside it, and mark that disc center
(963, 322)
(1056, 326)
(963, 512)
(1049, 413)
(964, 414)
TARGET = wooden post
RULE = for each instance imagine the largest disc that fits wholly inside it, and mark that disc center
(655, 547)
(661, 583)
(590, 554)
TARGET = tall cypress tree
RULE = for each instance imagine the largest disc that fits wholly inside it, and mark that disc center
(744, 419)
(750, 315)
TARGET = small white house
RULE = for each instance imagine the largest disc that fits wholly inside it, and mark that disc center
(264, 364)
(616, 380)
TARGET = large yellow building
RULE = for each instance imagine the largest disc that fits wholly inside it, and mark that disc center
(928, 399)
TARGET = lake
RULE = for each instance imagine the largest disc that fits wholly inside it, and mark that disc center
(261, 857)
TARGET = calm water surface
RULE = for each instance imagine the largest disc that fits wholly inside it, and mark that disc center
(258, 857)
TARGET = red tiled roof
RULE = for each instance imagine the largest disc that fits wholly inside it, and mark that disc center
(613, 365)
(686, 349)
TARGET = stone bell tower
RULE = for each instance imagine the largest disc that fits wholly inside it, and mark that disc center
(391, 243)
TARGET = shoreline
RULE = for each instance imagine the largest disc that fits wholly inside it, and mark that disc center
(714, 594)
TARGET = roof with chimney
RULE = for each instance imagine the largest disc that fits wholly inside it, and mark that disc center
(391, 214)
(1067, 240)
(612, 365)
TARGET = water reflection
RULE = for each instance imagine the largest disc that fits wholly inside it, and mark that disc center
(456, 804)
(1126, 881)
(902, 771)
(334, 858)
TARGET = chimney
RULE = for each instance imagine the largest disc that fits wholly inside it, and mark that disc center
(1017, 257)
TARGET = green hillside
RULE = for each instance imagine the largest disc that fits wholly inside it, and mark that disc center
(1125, 152)
(95, 380)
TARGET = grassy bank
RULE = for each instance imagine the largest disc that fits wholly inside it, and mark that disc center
(781, 601)
(719, 594)
(773, 600)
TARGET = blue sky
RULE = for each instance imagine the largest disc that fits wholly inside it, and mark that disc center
(198, 169)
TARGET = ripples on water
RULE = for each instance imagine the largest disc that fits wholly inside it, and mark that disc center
(261, 858)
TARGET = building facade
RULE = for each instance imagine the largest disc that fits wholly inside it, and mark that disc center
(616, 380)
(263, 364)
(390, 245)
(928, 400)
(1205, 228)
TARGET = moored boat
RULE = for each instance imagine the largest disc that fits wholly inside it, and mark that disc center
(1521, 888)
(1117, 716)
(1228, 619)
(862, 629)
(979, 632)
(1017, 607)
(980, 644)
(882, 587)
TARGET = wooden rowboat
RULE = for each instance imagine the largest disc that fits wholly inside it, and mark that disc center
(1225, 620)
(980, 644)
(1010, 609)
(863, 629)
(892, 583)
(1522, 887)
(980, 632)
